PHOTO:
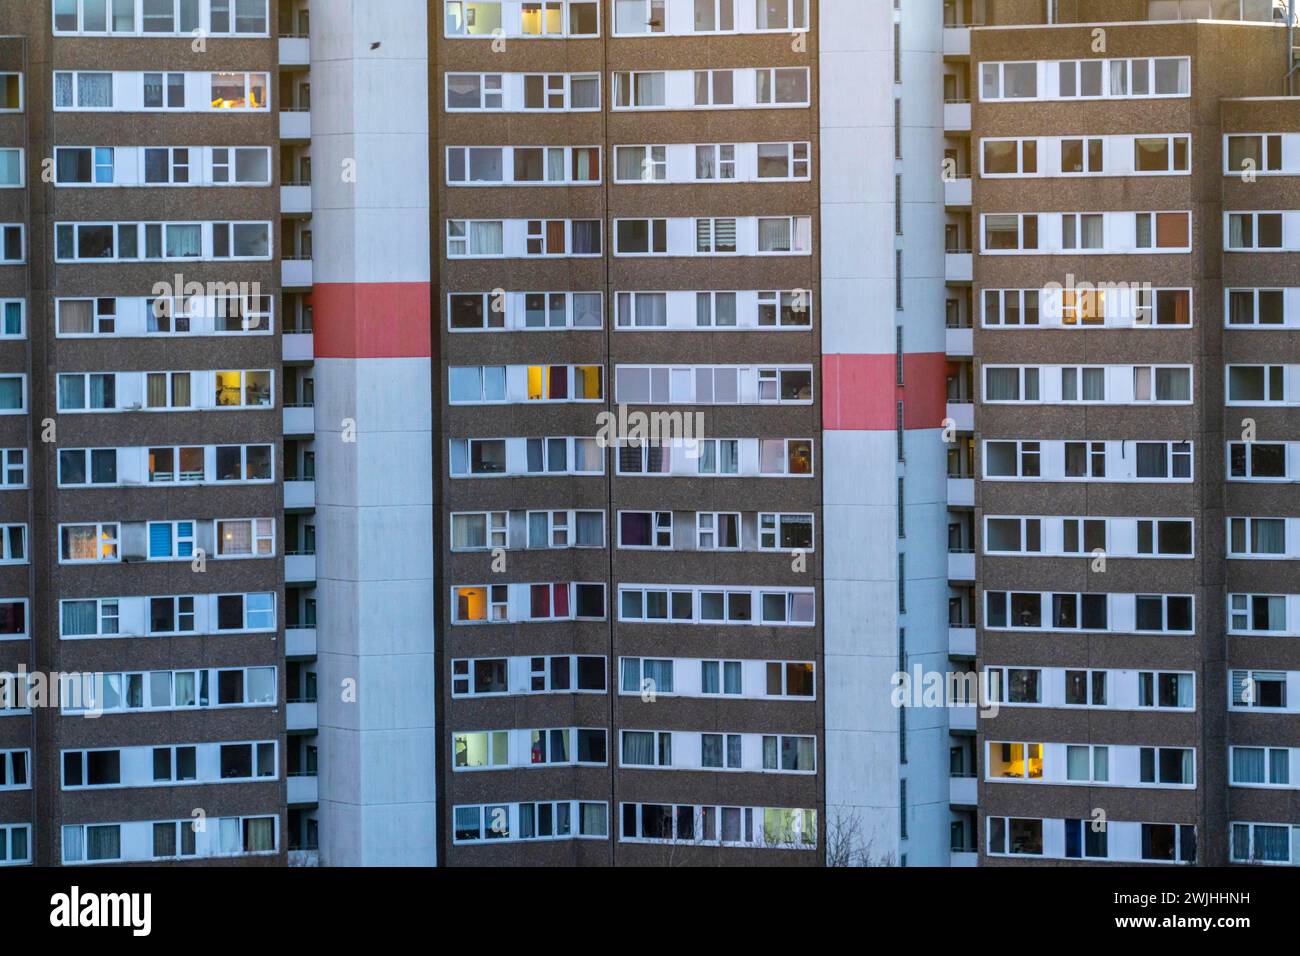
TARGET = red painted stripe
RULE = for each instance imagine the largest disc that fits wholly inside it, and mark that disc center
(859, 391)
(368, 320)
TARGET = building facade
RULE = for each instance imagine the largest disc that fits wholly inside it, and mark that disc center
(666, 377)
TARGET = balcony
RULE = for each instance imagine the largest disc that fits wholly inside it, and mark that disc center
(956, 192)
(296, 50)
(964, 858)
(961, 791)
(296, 124)
(302, 787)
(956, 117)
(299, 420)
(304, 857)
(956, 41)
(295, 272)
(295, 199)
(301, 715)
(962, 414)
(301, 347)
(299, 495)
(961, 565)
(961, 719)
(958, 265)
(300, 567)
(959, 341)
(961, 641)
(961, 492)
(300, 642)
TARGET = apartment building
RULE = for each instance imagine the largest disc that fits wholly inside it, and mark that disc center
(142, 497)
(1127, 214)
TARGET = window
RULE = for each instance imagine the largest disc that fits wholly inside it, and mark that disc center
(786, 86)
(1166, 689)
(245, 538)
(1263, 689)
(1263, 766)
(1168, 843)
(479, 531)
(243, 390)
(1008, 81)
(645, 90)
(14, 773)
(645, 529)
(1084, 839)
(715, 16)
(1256, 384)
(1167, 765)
(1256, 307)
(786, 15)
(83, 91)
(88, 542)
(1009, 157)
(1257, 613)
(1164, 230)
(1163, 613)
(713, 163)
(1254, 231)
(1257, 537)
(785, 235)
(1011, 307)
(235, 91)
(1014, 836)
(1079, 156)
(1253, 154)
(639, 237)
(11, 92)
(175, 615)
(1257, 461)
(170, 540)
(715, 88)
(1161, 154)
(643, 164)
(11, 168)
(785, 532)
(1010, 232)
(783, 160)
(717, 531)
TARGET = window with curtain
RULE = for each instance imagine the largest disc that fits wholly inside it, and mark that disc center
(1268, 536)
(1248, 765)
(638, 748)
(259, 834)
(709, 683)
(11, 392)
(1279, 766)
(1002, 384)
(590, 528)
(774, 235)
(103, 842)
(228, 834)
(592, 819)
(661, 672)
(79, 618)
(95, 90)
(485, 238)
(1272, 843)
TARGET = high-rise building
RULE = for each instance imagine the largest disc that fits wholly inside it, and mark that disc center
(1131, 321)
(143, 509)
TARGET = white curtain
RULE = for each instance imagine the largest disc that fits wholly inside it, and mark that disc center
(95, 90)
(774, 235)
(485, 238)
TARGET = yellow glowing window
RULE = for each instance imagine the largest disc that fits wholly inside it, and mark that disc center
(485, 749)
(543, 18)
(471, 604)
(1087, 307)
(586, 382)
(537, 380)
(1017, 760)
(230, 390)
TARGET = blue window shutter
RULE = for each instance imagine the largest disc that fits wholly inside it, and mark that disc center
(160, 540)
